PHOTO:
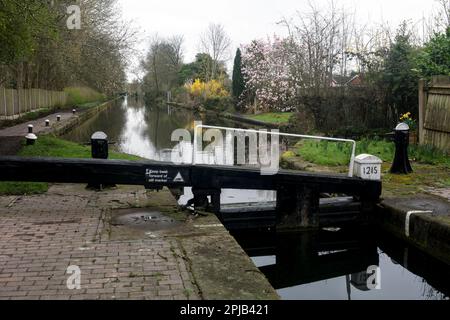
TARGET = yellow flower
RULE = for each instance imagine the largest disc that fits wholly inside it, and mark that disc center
(210, 89)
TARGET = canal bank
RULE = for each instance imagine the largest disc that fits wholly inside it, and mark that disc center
(422, 220)
(239, 118)
(68, 121)
(81, 117)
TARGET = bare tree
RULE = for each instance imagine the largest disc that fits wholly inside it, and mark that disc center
(162, 64)
(317, 35)
(444, 14)
(216, 43)
(438, 21)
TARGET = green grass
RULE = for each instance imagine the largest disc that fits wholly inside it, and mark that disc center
(89, 105)
(22, 188)
(429, 155)
(338, 154)
(446, 182)
(324, 152)
(49, 146)
(273, 117)
(82, 95)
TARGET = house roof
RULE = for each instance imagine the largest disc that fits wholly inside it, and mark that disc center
(346, 80)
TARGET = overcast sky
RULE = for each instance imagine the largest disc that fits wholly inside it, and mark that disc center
(245, 20)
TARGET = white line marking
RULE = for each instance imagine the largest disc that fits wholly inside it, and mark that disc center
(408, 217)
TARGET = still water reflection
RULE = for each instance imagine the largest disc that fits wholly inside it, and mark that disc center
(136, 129)
(146, 132)
(334, 266)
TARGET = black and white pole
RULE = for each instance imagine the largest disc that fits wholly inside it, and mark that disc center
(30, 128)
(74, 111)
(401, 164)
(58, 118)
(47, 123)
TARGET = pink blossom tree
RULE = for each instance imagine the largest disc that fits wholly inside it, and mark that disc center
(271, 74)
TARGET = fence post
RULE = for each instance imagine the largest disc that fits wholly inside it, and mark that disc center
(13, 103)
(422, 109)
(4, 100)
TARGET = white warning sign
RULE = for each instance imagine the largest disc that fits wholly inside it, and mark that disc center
(157, 176)
(178, 178)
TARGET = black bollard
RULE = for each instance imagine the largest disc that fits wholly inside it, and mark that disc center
(31, 139)
(401, 164)
(99, 144)
(99, 150)
(58, 118)
(47, 123)
(30, 128)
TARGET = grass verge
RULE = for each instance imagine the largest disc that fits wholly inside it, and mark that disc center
(81, 95)
(272, 117)
(337, 154)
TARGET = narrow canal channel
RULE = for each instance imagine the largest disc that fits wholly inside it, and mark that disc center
(330, 264)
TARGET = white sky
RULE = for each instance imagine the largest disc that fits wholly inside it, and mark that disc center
(245, 20)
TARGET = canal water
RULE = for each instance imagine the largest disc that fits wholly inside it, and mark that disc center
(331, 264)
(346, 265)
(146, 132)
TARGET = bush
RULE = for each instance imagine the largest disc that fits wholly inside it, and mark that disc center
(81, 95)
(301, 122)
(219, 103)
(211, 94)
(353, 107)
(212, 89)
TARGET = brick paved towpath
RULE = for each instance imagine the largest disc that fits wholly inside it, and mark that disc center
(41, 236)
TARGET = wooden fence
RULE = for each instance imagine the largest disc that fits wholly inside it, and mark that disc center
(14, 103)
(434, 112)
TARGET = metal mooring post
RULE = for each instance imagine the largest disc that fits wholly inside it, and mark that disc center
(401, 164)
(99, 145)
(99, 150)
(30, 137)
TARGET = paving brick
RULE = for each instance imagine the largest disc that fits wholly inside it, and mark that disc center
(39, 241)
